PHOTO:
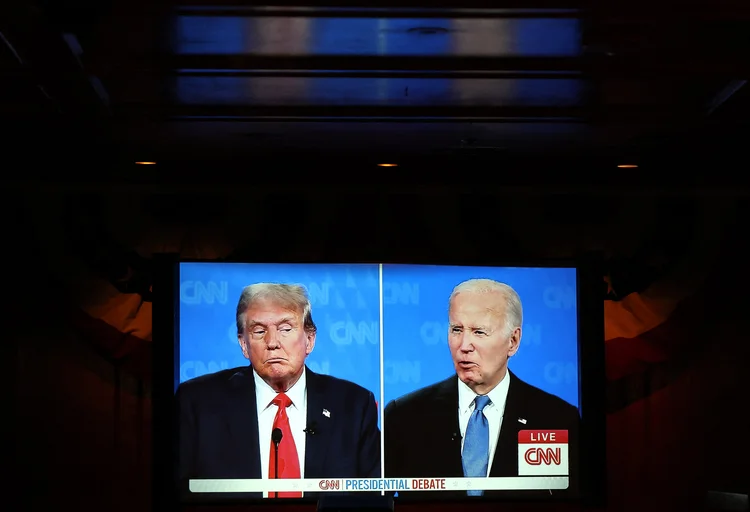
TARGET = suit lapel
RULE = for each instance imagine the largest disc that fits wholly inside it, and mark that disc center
(316, 445)
(445, 424)
(505, 461)
(242, 422)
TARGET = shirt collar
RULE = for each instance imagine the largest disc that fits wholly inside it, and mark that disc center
(498, 395)
(265, 394)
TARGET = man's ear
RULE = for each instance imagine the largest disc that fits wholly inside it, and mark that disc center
(309, 343)
(243, 346)
(515, 341)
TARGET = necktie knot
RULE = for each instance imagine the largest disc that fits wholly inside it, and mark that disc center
(481, 401)
(282, 401)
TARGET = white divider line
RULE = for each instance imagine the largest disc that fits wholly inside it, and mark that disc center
(381, 405)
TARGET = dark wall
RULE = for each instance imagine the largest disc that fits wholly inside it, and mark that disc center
(82, 385)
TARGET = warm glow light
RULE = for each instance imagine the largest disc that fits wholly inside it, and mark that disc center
(387, 165)
(627, 166)
(145, 163)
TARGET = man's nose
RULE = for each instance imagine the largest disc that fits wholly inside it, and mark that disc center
(272, 339)
(465, 344)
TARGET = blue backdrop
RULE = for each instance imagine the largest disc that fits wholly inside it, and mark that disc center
(345, 307)
(415, 326)
(345, 301)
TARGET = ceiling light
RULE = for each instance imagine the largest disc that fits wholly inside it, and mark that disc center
(627, 166)
(387, 165)
(145, 163)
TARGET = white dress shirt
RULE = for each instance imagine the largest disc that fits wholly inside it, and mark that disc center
(493, 412)
(297, 412)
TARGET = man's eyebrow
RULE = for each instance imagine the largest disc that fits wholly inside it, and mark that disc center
(472, 327)
(285, 320)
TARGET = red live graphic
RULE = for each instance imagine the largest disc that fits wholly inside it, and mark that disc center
(542, 436)
(536, 455)
(542, 452)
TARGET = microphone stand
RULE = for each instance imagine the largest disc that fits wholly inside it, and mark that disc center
(276, 436)
(276, 464)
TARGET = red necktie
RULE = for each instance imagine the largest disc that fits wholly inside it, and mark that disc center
(288, 458)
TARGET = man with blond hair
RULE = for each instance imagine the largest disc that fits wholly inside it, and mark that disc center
(467, 425)
(276, 418)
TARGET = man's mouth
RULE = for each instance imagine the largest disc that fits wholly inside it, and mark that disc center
(275, 360)
(466, 364)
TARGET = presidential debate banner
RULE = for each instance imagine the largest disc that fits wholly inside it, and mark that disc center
(346, 306)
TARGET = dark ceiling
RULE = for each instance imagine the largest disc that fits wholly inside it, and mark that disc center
(504, 83)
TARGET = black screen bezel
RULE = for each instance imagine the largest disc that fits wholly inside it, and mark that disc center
(592, 381)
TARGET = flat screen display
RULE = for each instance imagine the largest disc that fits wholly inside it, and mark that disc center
(416, 381)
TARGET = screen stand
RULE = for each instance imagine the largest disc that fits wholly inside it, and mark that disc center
(355, 503)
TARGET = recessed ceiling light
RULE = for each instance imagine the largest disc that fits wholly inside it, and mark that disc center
(627, 166)
(387, 165)
(145, 163)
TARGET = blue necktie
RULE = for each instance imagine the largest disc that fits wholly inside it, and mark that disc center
(476, 453)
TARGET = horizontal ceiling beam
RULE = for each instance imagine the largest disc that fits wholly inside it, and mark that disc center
(360, 63)
(637, 65)
(479, 114)
(216, 179)
(314, 111)
(350, 113)
(312, 171)
(644, 10)
(375, 74)
(375, 12)
(389, 4)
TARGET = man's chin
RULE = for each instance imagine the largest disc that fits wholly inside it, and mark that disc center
(278, 370)
(280, 377)
(467, 375)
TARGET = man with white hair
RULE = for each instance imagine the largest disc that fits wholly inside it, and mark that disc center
(467, 425)
(276, 418)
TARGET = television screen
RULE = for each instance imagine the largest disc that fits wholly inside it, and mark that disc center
(417, 381)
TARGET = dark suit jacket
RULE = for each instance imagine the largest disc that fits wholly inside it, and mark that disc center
(422, 434)
(218, 429)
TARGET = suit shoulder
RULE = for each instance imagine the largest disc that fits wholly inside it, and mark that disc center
(423, 397)
(207, 383)
(546, 401)
(340, 385)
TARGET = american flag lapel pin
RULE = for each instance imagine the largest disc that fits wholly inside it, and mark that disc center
(522, 420)
(326, 413)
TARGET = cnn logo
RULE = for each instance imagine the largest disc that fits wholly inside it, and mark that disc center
(542, 452)
(329, 485)
(539, 456)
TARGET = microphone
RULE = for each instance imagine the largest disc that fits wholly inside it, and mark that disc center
(276, 436)
(311, 428)
(455, 436)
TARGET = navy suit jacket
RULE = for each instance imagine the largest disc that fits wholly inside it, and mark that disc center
(218, 429)
(422, 434)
